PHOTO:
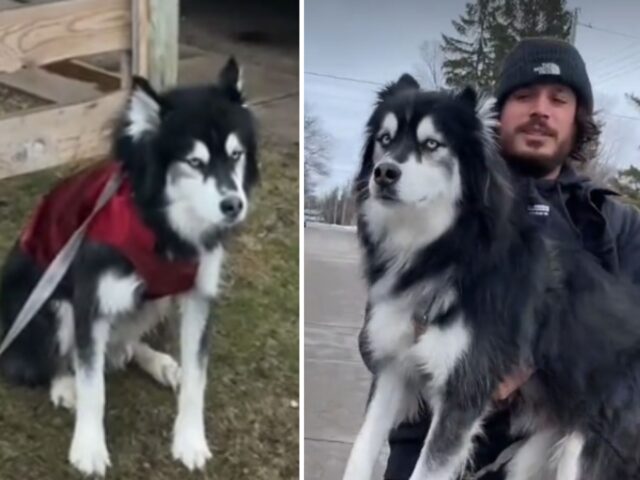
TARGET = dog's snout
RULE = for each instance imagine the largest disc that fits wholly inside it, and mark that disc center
(231, 206)
(386, 174)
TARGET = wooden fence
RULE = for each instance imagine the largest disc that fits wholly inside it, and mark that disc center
(52, 35)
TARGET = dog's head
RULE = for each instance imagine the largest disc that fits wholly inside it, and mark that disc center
(427, 150)
(191, 153)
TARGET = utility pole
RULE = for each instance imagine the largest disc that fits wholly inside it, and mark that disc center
(574, 26)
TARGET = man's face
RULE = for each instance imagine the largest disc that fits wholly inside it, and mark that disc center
(538, 127)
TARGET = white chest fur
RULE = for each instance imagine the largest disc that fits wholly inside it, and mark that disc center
(433, 349)
(390, 331)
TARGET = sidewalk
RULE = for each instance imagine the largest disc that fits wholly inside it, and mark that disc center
(336, 381)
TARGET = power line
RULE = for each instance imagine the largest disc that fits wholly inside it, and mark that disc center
(370, 82)
(606, 58)
(626, 117)
(615, 61)
(617, 73)
(606, 30)
(345, 79)
(614, 71)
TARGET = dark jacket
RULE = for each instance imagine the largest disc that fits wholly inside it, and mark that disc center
(573, 210)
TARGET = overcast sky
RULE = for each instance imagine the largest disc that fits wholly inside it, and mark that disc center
(377, 40)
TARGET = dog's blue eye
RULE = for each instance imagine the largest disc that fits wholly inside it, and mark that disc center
(195, 162)
(384, 139)
(431, 144)
(237, 155)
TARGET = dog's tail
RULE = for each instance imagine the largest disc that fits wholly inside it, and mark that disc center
(31, 359)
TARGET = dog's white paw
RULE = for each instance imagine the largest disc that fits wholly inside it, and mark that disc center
(63, 392)
(190, 446)
(89, 454)
(166, 370)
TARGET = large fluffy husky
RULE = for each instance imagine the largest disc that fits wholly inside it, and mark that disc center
(463, 290)
(188, 163)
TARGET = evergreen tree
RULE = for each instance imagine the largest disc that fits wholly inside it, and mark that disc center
(489, 29)
(468, 60)
(554, 20)
(628, 184)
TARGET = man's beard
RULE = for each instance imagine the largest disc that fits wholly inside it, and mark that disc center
(538, 165)
(534, 166)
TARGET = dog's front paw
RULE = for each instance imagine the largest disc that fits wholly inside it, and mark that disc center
(190, 446)
(89, 454)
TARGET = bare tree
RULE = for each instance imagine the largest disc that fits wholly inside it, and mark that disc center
(429, 69)
(335, 207)
(316, 152)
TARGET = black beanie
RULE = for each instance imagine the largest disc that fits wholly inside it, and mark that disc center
(536, 60)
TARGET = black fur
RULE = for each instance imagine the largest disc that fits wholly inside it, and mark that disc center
(525, 300)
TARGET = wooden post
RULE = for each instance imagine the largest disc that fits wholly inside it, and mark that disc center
(140, 37)
(163, 43)
(125, 70)
(155, 41)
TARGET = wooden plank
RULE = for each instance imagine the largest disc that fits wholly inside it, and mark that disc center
(163, 43)
(41, 34)
(52, 136)
(50, 86)
(104, 80)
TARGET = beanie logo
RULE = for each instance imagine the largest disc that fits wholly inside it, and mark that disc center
(547, 68)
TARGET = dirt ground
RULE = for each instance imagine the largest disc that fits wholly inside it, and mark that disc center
(252, 409)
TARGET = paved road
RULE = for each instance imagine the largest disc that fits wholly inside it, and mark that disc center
(336, 381)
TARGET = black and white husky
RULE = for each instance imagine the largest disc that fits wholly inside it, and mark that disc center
(188, 159)
(462, 290)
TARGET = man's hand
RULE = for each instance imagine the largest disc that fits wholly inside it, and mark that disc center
(511, 384)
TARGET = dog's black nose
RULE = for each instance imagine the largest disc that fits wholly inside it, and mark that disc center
(386, 174)
(231, 206)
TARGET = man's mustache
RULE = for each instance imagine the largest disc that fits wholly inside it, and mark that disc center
(538, 126)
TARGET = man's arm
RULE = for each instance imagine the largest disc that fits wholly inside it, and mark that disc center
(624, 222)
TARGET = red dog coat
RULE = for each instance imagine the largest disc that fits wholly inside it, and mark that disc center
(117, 224)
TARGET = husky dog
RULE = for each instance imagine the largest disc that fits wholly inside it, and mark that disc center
(463, 290)
(187, 159)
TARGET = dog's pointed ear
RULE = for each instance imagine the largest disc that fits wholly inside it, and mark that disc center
(143, 109)
(469, 96)
(230, 77)
(483, 105)
(405, 82)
